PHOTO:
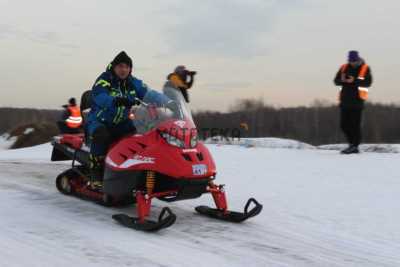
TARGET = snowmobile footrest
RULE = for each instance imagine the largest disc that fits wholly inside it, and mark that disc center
(232, 216)
(165, 219)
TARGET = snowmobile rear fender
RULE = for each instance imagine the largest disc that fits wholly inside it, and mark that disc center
(58, 155)
(62, 152)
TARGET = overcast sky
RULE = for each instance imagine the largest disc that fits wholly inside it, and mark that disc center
(284, 51)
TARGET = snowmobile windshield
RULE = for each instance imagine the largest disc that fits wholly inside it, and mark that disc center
(150, 114)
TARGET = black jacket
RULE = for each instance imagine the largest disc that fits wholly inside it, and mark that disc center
(349, 97)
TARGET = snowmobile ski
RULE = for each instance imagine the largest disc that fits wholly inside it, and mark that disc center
(165, 219)
(232, 216)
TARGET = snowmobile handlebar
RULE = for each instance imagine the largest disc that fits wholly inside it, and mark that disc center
(141, 102)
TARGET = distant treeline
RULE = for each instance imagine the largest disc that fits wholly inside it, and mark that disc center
(12, 118)
(318, 124)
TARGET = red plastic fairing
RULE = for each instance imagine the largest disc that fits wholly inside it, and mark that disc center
(151, 152)
(181, 129)
(73, 140)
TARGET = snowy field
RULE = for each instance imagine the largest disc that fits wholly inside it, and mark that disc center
(320, 209)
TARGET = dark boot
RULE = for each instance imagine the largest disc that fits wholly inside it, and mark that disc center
(96, 171)
(351, 150)
(344, 151)
(354, 150)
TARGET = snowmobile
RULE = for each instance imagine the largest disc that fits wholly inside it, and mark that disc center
(164, 160)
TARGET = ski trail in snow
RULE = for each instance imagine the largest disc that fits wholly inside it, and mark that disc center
(315, 214)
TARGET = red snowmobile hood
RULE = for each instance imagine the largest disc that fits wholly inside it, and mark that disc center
(150, 151)
(181, 129)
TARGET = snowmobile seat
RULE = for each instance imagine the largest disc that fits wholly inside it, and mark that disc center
(86, 100)
(73, 140)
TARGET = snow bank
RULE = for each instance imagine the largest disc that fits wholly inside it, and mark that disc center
(293, 144)
(268, 142)
(377, 148)
(6, 141)
(28, 131)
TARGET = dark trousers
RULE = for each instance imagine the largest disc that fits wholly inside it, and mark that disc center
(101, 136)
(350, 122)
(64, 129)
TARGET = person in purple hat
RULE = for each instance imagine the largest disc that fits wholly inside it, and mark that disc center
(354, 79)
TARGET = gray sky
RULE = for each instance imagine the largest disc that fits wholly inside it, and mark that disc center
(284, 51)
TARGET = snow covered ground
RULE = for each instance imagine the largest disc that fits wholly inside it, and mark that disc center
(270, 142)
(267, 142)
(320, 209)
(377, 148)
(37, 154)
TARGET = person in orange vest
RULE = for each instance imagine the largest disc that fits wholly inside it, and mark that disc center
(71, 120)
(354, 79)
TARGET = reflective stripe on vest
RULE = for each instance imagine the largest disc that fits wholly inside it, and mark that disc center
(362, 91)
(75, 118)
(363, 72)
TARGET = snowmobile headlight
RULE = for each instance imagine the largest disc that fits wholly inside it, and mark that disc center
(172, 140)
(193, 141)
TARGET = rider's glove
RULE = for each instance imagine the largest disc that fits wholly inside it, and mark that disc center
(136, 102)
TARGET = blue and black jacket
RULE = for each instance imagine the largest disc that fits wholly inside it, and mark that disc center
(107, 87)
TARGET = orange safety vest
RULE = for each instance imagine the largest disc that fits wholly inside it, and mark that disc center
(75, 118)
(362, 91)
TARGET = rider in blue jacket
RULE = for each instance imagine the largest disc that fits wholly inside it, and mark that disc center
(113, 95)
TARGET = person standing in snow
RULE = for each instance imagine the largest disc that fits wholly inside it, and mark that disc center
(354, 79)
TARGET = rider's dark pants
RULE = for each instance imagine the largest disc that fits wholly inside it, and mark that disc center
(101, 136)
(64, 129)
